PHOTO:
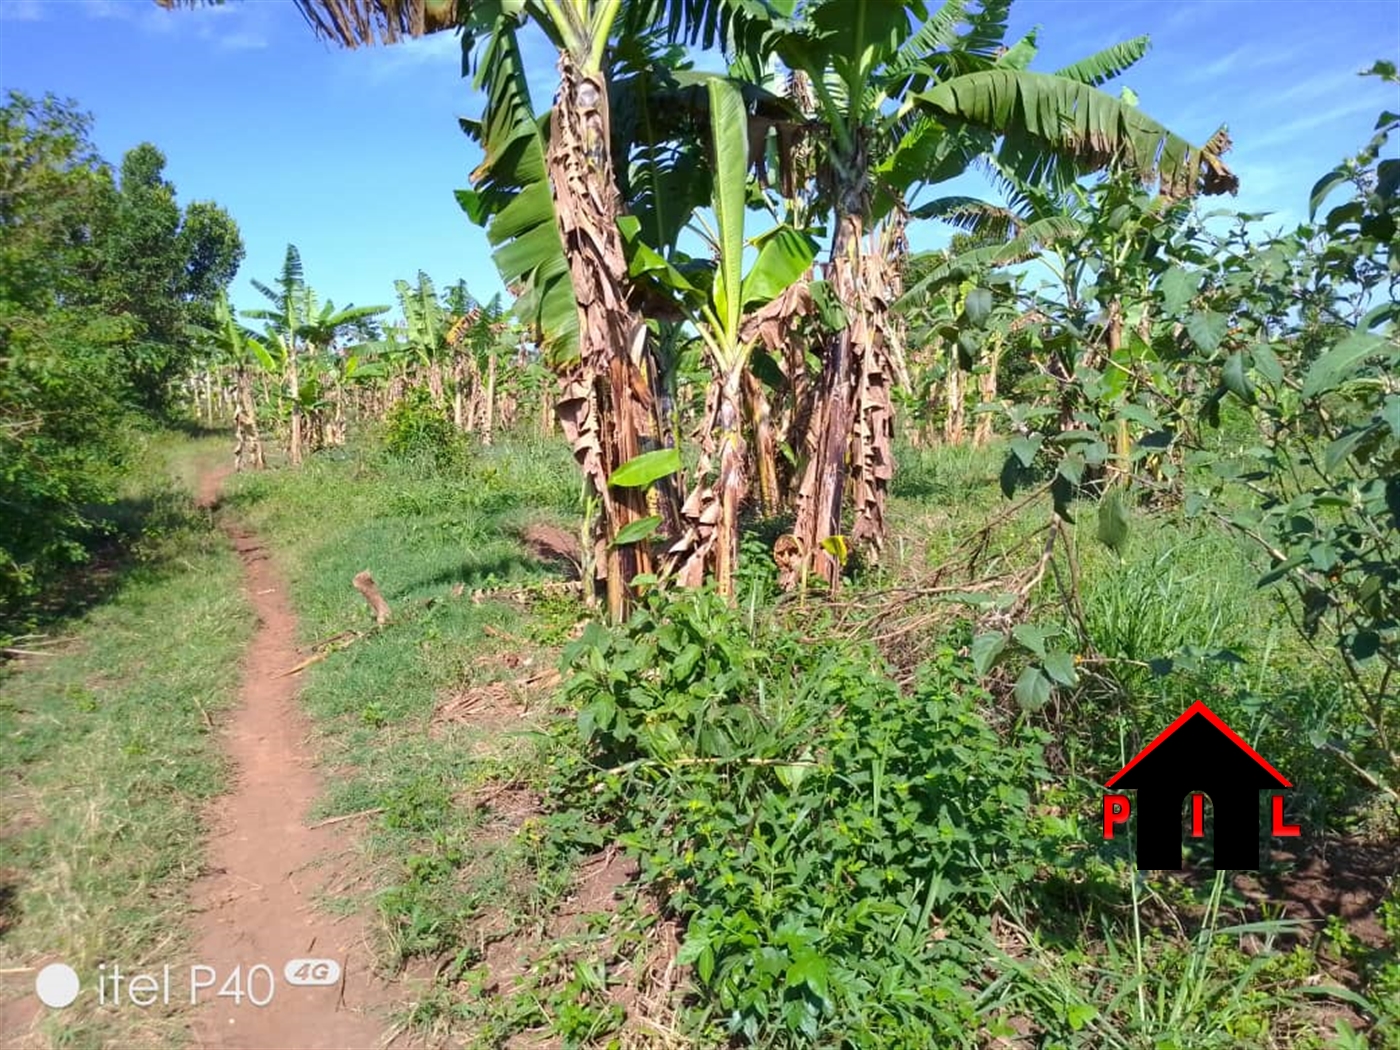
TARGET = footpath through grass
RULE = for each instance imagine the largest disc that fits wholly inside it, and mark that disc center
(426, 725)
(108, 760)
(725, 831)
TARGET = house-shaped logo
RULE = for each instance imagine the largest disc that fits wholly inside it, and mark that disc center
(1197, 755)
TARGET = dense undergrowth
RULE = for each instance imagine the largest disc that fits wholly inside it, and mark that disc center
(837, 851)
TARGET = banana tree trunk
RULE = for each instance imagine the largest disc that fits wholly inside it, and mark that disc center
(247, 448)
(712, 508)
(459, 375)
(294, 392)
(823, 485)
(765, 452)
(955, 424)
(488, 423)
(337, 436)
(608, 403)
(435, 382)
(872, 442)
(1123, 442)
(987, 394)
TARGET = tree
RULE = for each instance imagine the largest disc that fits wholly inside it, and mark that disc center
(905, 99)
(723, 302)
(300, 325)
(82, 345)
(161, 267)
(232, 345)
(552, 204)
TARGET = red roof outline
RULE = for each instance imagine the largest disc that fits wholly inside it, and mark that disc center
(1199, 708)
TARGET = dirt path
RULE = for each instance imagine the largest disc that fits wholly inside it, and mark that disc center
(265, 865)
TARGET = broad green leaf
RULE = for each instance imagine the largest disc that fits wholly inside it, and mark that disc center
(264, 358)
(1335, 366)
(1207, 329)
(836, 547)
(1390, 414)
(1060, 667)
(1032, 637)
(1071, 468)
(784, 255)
(635, 531)
(808, 968)
(1340, 450)
(1267, 364)
(1113, 520)
(646, 468)
(829, 307)
(985, 649)
(1032, 690)
(690, 949)
(978, 306)
(729, 137)
(1236, 381)
(1077, 122)
(646, 263)
(1281, 570)
(1099, 68)
(1178, 287)
(969, 349)
(1322, 188)
(1025, 448)
(510, 192)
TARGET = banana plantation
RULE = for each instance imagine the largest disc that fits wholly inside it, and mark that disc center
(886, 439)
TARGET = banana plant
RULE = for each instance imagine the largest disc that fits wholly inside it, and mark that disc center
(236, 347)
(724, 311)
(299, 324)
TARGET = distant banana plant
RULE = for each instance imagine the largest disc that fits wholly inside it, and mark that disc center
(301, 329)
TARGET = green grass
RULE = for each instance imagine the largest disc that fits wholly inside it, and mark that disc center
(108, 759)
(435, 864)
(451, 879)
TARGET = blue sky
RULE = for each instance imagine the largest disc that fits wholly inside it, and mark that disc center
(354, 156)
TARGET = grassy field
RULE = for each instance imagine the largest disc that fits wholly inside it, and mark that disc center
(108, 756)
(547, 859)
(496, 882)
(422, 722)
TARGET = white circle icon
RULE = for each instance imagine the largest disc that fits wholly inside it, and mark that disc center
(56, 985)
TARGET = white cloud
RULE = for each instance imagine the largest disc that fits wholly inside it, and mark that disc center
(1291, 130)
(242, 41)
(1245, 58)
(1187, 16)
(1314, 87)
(388, 61)
(236, 27)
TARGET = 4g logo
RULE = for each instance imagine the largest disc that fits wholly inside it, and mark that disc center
(1197, 755)
(312, 972)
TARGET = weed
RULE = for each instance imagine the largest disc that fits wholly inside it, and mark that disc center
(809, 823)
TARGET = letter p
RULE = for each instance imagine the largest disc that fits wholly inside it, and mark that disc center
(196, 973)
(1116, 810)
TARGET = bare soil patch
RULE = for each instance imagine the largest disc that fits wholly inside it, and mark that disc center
(256, 901)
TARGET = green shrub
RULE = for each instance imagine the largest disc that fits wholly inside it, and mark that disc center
(831, 842)
(416, 428)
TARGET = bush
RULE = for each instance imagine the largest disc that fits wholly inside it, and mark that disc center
(416, 428)
(831, 842)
